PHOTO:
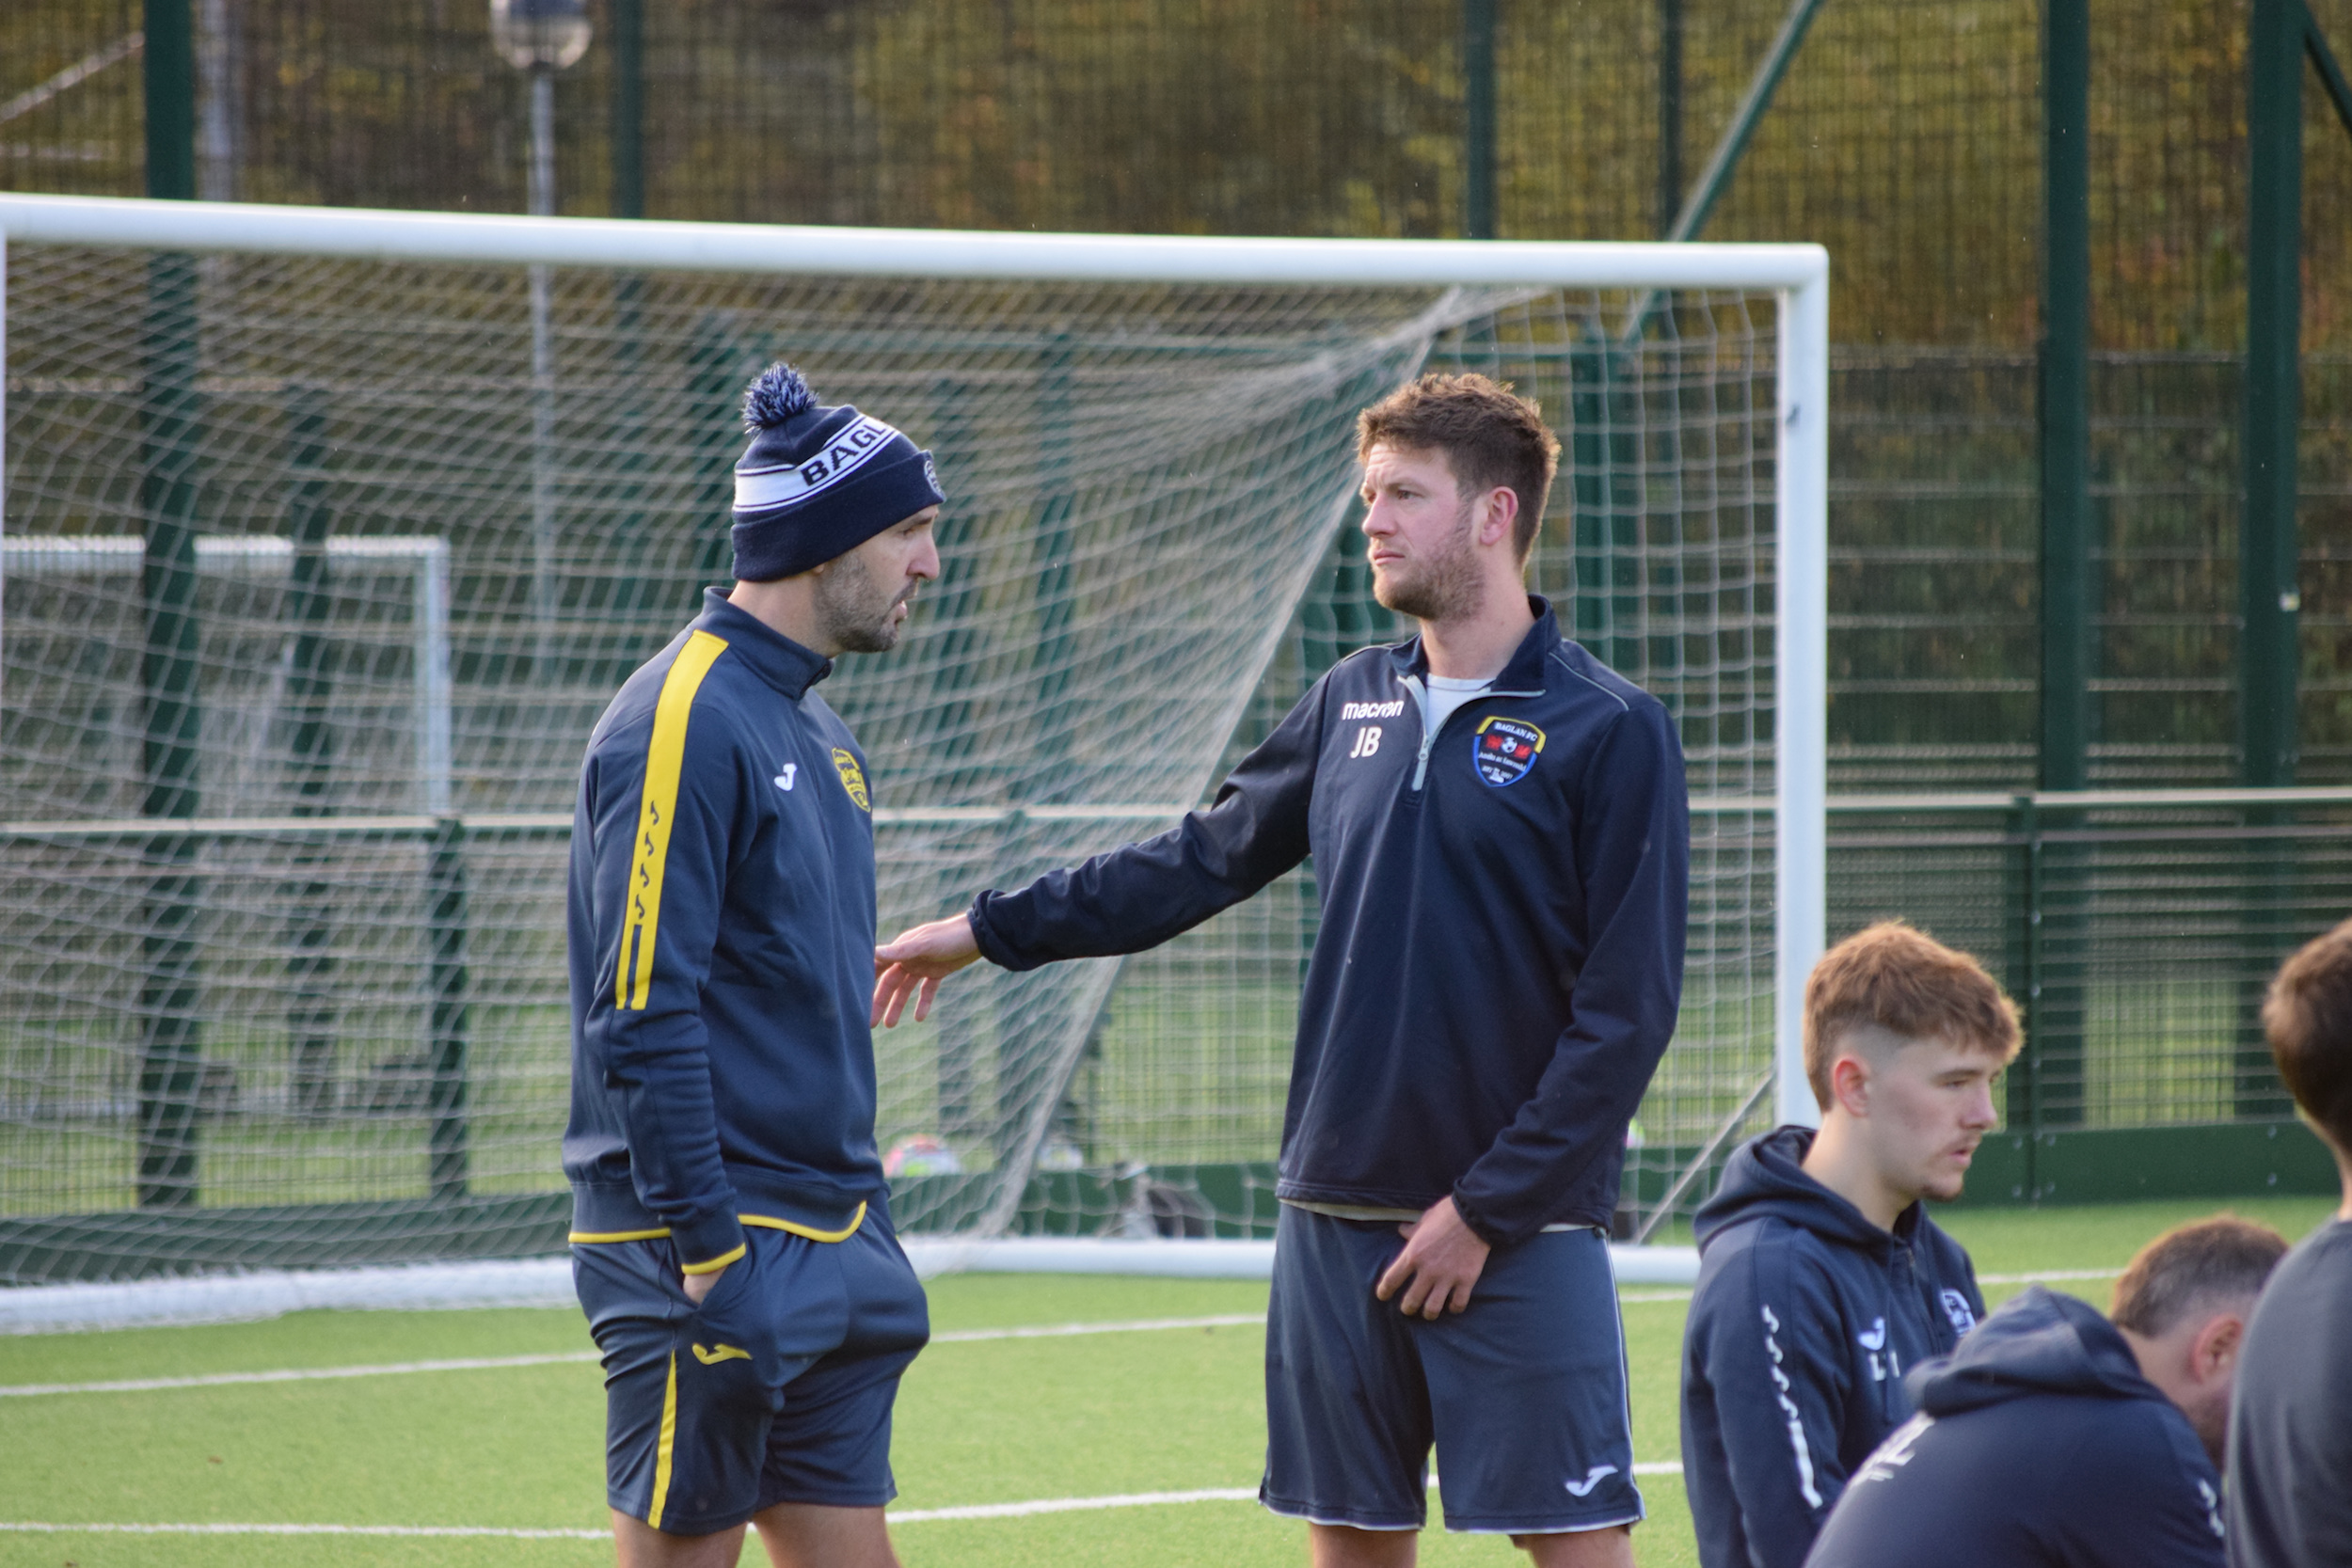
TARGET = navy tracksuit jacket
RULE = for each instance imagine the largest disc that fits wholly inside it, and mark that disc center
(721, 948)
(1499, 961)
(2038, 1445)
(1804, 1320)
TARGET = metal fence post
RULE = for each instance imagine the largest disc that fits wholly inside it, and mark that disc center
(1478, 119)
(2068, 603)
(309, 608)
(447, 922)
(171, 990)
(629, 108)
(1604, 455)
(2268, 587)
(2025, 1089)
(2268, 598)
(1669, 113)
(2069, 596)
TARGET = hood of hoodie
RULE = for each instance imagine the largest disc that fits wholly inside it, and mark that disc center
(2039, 1343)
(1765, 1180)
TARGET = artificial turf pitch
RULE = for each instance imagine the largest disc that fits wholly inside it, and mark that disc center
(981, 1421)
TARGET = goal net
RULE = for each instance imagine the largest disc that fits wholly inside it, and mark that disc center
(327, 536)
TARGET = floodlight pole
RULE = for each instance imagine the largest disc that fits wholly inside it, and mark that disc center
(540, 37)
(543, 605)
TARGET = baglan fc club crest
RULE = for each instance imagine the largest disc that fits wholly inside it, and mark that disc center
(1505, 748)
(852, 778)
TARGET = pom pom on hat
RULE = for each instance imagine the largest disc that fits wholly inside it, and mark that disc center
(777, 395)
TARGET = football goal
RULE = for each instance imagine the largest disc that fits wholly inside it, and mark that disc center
(327, 534)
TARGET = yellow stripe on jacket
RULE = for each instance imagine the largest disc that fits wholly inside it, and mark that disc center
(665, 759)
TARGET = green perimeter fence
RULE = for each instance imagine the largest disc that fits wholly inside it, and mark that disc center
(2137, 932)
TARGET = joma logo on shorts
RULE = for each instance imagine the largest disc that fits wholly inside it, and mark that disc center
(1593, 1478)
(723, 1352)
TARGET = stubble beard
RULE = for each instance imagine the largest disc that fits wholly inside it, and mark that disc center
(1446, 587)
(854, 611)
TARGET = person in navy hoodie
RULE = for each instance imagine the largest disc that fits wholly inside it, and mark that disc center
(731, 1237)
(1500, 843)
(1822, 1280)
(2053, 1438)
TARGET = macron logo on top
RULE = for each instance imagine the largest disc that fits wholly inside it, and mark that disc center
(1371, 710)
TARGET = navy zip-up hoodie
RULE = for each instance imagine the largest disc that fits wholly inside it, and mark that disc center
(1499, 961)
(2038, 1445)
(721, 933)
(1806, 1316)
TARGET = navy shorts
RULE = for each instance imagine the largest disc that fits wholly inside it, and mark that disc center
(777, 1388)
(1523, 1394)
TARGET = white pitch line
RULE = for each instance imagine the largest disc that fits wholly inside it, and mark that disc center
(1074, 1505)
(492, 1363)
(1138, 1326)
(901, 1516)
(292, 1374)
(29, 1528)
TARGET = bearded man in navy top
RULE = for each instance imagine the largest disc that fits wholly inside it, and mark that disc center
(731, 1238)
(1500, 843)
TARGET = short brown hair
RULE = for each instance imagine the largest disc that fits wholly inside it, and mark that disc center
(2212, 1263)
(1907, 983)
(2308, 1017)
(1490, 437)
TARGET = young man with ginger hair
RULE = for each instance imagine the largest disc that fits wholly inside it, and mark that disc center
(1822, 1280)
(2291, 1421)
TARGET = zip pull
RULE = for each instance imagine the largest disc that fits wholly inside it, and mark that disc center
(1428, 739)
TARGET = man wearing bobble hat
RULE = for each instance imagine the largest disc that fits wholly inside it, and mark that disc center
(731, 1240)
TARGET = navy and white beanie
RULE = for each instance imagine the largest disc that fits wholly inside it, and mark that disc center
(817, 483)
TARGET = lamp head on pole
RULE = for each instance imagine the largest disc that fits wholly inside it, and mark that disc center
(540, 35)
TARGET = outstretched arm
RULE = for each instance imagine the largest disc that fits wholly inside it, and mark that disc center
(915, 962)
(1134, 897)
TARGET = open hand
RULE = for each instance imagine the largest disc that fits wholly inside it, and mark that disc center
(1442, 1260)
(914, 962)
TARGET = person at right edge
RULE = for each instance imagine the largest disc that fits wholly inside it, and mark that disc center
(1822, 1280)
(2290, 1444)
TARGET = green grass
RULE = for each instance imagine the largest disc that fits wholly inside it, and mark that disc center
(991, 1421)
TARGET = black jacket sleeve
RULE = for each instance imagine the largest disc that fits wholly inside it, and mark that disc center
(1140, 895)
(1633, 850)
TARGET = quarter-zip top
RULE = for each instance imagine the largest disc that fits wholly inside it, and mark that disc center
(1805, 1318)
(1499, 961)
(722, 908)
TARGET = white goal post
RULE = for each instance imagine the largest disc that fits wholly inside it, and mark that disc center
(1794, 278)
